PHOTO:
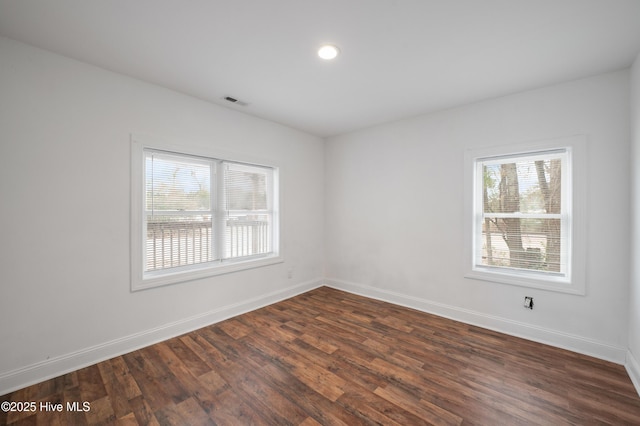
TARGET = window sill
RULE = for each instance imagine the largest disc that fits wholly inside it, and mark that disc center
(167, 278)
(550, 283)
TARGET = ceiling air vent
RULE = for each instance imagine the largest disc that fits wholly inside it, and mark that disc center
(235, 101)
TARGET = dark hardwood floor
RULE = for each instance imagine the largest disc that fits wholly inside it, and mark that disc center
(328, 357)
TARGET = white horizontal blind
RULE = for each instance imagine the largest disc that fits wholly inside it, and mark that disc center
(522, 213)
(248, 195)
(179, 210)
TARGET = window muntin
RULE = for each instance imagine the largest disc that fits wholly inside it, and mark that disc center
(195, 216)
(522, 214)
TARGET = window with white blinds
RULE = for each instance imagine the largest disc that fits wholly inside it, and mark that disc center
(522, 215)
(201, 214)
(526, 217)
(179, 210)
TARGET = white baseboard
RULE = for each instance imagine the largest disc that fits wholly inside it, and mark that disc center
(54, 367)
(633, 368)
(35, 373)
(514, 328)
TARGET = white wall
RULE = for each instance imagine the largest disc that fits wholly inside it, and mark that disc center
(394, 213)
(64, 188)
(633, 356)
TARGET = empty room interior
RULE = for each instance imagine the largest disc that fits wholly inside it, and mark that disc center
(331, 212)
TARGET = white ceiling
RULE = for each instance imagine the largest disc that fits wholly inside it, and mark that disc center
(399, 58)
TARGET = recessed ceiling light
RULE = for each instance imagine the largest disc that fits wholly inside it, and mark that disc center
(328, 51)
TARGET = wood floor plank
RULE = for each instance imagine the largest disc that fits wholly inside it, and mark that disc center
(187, 412)
(118, 396)
(101, 411)
(185, 354)
(147, 378)
(142, 411)
(91, 383)
(235, 328)
(422, 409)
(127, 385)
(328, 357)
(375, 409)
(314, 376)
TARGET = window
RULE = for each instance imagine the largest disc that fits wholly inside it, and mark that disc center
(195, 216)
(523, 216)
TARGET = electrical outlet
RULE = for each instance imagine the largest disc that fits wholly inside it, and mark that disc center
(528, 302)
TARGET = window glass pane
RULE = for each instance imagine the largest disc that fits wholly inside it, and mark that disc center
(530, 186)
(177, 184)
(247, 235)
(533, 244)
(246, 187)
(248, 228)
(174, 241)
(524, 186)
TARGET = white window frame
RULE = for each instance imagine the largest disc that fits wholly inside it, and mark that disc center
(140, 279)
(573, 278)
